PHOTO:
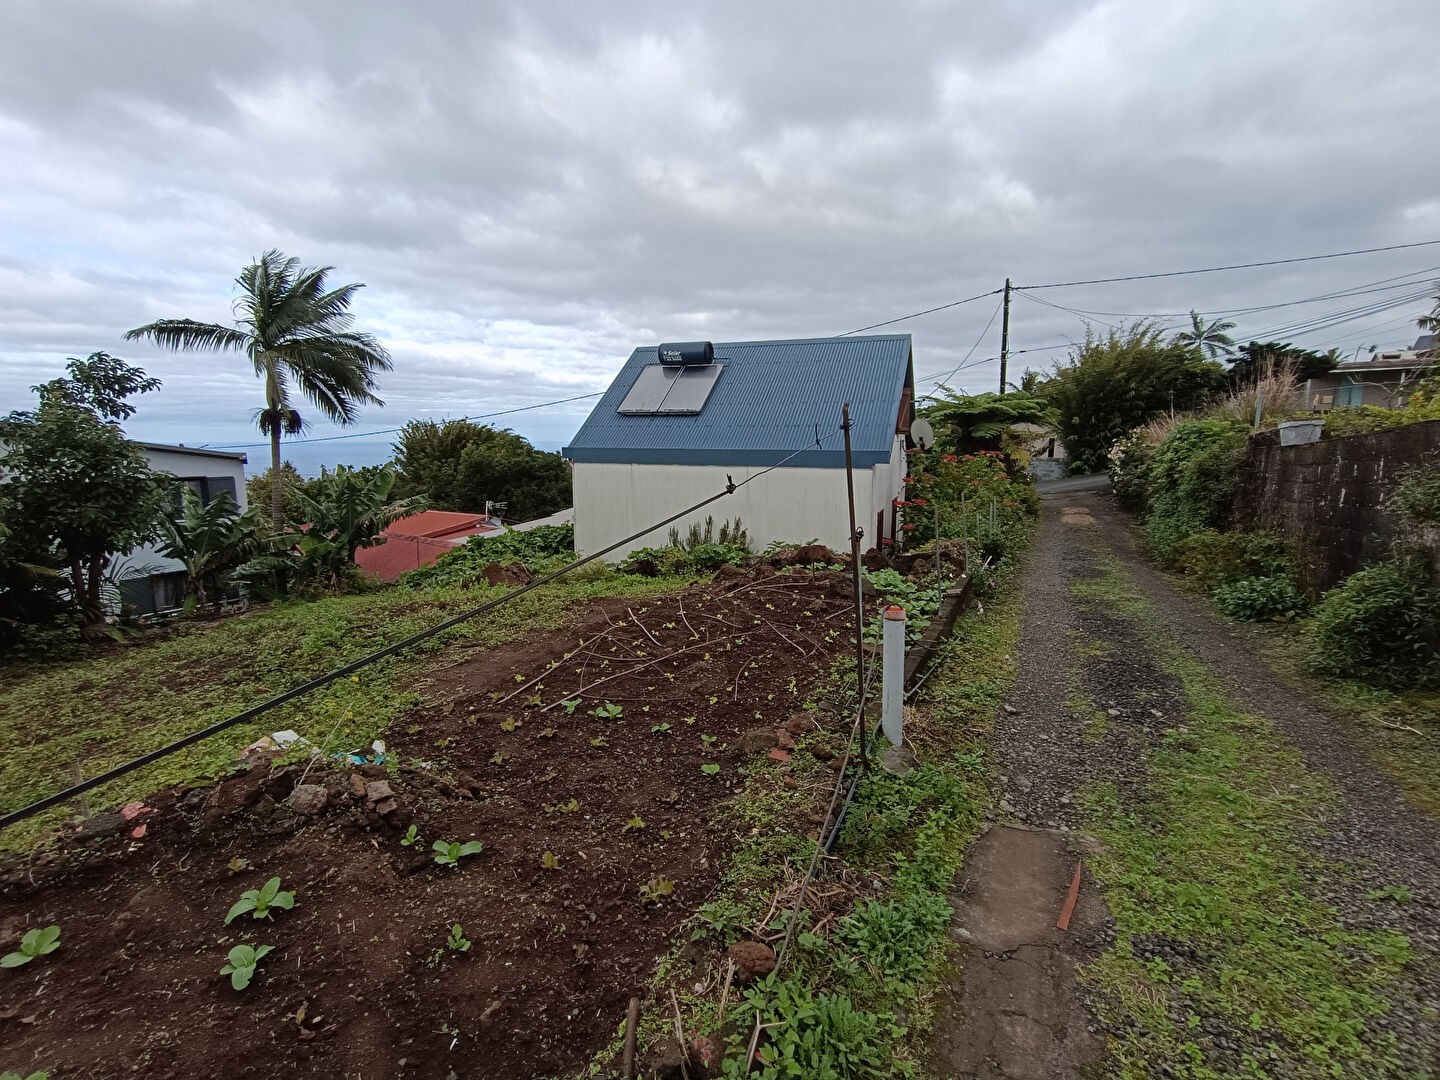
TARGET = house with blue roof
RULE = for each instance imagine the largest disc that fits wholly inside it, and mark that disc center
(681, 421)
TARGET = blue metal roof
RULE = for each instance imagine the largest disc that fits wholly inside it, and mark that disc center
(768, 403)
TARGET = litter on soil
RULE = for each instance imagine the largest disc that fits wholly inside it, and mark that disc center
(582, 763)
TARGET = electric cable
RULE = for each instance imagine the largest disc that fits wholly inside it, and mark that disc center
(927, 311)
(316, 683)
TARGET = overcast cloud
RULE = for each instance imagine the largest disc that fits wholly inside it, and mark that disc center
(531, 190)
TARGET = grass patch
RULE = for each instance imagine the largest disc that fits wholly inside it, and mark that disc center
(62, 722)
(1226, 961)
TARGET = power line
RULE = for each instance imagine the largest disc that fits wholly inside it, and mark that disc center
(391, 431)
(1232, 266)
(917, 314)
(961, 365)
(316, 683)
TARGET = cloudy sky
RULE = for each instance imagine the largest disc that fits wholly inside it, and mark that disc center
(531, 190)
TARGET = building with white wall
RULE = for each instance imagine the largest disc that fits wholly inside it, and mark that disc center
(670, 432)
(149, 581)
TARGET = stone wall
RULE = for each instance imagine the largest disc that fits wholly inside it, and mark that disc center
(1332, 493)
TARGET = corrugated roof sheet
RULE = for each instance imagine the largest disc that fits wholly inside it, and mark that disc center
(768, 403)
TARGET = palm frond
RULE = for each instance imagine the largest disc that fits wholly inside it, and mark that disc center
(186, 335)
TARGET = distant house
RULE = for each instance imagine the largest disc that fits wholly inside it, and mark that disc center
(1385, 379)
(418, 540)
(158, 583)
(671, 429)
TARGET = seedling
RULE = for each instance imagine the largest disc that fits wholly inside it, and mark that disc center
(499, 757)
(449, 852)
(599, 740)
(654, 890)
(509, 724)
(565, 807)
(709, 740)
(38, 1075)
(237, 864)
(550, 861)
(711, 769)
(411, 837)
(607, 711)
(260, 901)
(35, 943)
(535, 700)
(241, 967)
(637, 823)
(688, 719)
(457, 940)
(548, 733)
(659, 729)
(570, 705)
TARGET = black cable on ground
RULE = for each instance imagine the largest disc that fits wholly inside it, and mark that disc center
(255, 711)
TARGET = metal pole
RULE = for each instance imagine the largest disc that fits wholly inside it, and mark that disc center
(855, 569)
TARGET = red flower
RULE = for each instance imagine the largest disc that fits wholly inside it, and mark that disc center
(886, 540)
(914, 450)
(906, 480)
(969, 457)
(907, 528)
(948, 457)
(919, 502)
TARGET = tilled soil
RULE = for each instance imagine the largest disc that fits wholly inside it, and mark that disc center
(361, 983)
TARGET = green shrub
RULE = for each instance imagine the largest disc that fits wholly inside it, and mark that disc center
(1261, 599)
(1210, 557)
(1382, 626)
(657, 562)
(1192, 482)
(1130, 472)
(542, 548)
(732, 534)
(1416, 498)
(712, 556)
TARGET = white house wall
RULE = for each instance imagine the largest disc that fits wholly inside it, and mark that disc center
(180, 464)
(788, 504)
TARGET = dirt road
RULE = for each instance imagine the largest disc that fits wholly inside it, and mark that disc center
(1257, 898)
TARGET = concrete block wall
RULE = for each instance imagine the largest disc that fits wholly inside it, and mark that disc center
(1332, 494)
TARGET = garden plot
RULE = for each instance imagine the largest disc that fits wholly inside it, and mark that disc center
(593, 765)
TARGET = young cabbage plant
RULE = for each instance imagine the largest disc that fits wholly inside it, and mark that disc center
(35, 943)
(260, 901)
(241, 967)
(449, 852)
(411, 837)
(457, 940)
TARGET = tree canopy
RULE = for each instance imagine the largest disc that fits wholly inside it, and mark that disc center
(297, 334)
(1257, 358)
(971, 422)
(78, 492)
(1115, 382)
(461, 465)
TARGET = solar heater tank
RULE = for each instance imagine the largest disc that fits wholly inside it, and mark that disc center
(687, 353)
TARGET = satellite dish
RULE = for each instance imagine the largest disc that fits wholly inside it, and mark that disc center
(922, 434)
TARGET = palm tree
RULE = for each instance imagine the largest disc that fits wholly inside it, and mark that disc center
(1211, 338)
(297, 334)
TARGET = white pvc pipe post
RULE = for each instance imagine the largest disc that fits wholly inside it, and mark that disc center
(892, 715)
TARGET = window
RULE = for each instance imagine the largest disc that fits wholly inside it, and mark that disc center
(1349, 393)
(662, 390)
(206, 488)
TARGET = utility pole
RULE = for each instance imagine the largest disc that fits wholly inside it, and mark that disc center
(1005, 337)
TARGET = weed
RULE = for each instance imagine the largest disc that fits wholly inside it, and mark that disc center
(450, 852)
(35, 943)
(1397, 894)
(241, 967)
(260, 901)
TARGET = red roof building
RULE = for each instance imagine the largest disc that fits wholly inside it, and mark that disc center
(418, 540)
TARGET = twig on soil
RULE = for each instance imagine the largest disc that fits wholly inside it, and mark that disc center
(693, 635)
(632, 671)
(680, 1035)
(1399, 727)
(643, 629)
(725, 990)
